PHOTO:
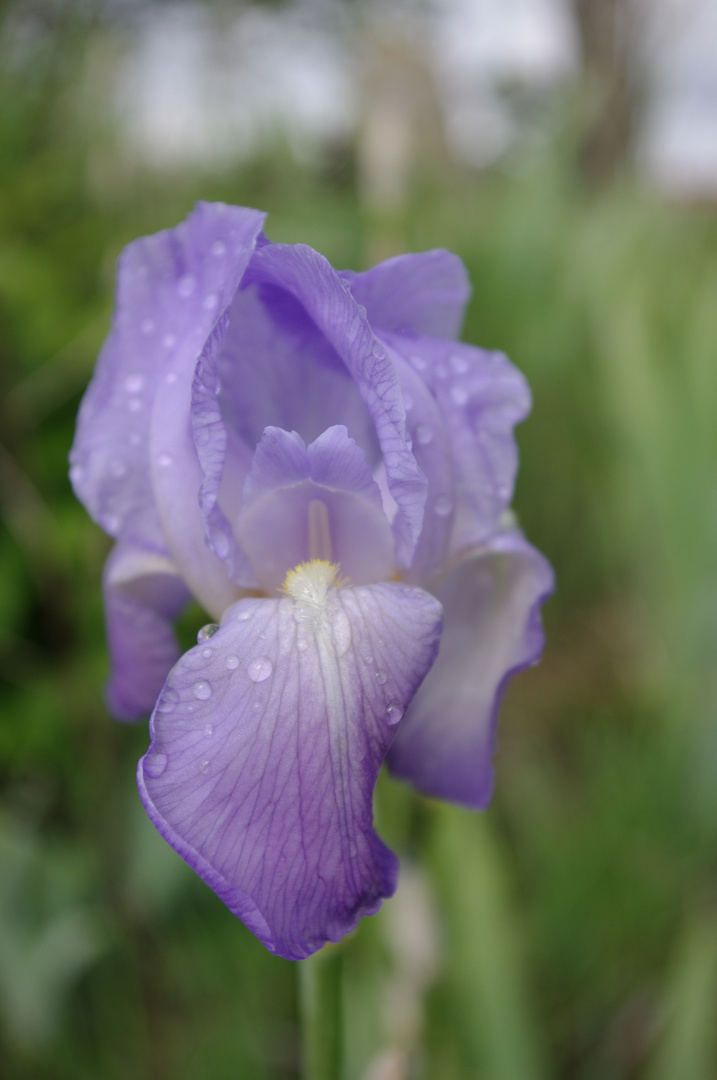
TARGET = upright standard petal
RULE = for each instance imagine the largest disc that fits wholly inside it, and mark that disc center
(492, 629)
(171, 287)
(266, 744)
(309, 278)
(424, 293)
(481, 397)
(142, 594)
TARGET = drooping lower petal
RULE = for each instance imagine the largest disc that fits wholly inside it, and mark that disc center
(142, 594)
(266, 744)
(492, 629)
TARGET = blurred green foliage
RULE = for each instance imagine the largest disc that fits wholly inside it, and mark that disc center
(575, 923)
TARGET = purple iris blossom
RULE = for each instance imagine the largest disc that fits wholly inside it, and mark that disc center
(314, 458)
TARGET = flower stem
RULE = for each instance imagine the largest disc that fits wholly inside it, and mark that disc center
(321, 1014)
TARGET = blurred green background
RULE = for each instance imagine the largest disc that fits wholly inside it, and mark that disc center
(569, 932)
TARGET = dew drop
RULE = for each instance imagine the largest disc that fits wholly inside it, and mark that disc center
(302, 645)
(381, 676)
(147, 326)
(394, 712)
(459, 395)
(202, 690)
(164, 460)
(407, 402)
(459, 364)
(185, 288)
(169, 340)
(418, 362)
(368, 658)
(219, 248)
(244, 615)
(134, 383)
(232, 663)
(168, 700)
(207, 632)
(171, 377)
(260, 668)
(221, 545)
(134, 404)
(118, 469)
(154, 765)
(210, 301)
(204, 765)
(442, 506)
(424, 434)
(208, 729)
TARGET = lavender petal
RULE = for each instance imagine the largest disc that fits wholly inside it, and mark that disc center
(266, 745)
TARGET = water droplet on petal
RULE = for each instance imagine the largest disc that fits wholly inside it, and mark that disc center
(381, 676)
(232, 663)
(208, 729)
(302, 644)
(210, 301)
(407, 402)
(202, 690)
(459, 364)
(244, 615)
(260, 668)
(118, 469)
(443, 506)
(147, 326)
(221, 544)
(368, 658)
(164, 460)
(219, 248)
(169, 340)
(134, 383)
(134, 404)
(171, 377)
(154, 765)
(185, 288)
(459, 395)
(206, 632)
(394, 712)
(418, 362)
(424, 434)
(204, 765)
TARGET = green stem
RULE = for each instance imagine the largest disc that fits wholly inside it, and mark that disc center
(321, 1014)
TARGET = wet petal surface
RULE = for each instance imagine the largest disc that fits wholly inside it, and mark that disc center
(266, 744)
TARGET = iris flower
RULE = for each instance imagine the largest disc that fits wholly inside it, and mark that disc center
(314, 458)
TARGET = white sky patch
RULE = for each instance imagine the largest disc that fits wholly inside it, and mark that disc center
(195, 90)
